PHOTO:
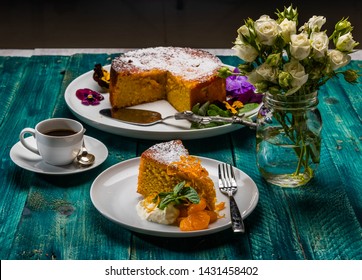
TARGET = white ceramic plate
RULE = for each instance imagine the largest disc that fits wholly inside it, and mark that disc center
(172, 129)
(32, 162)
(114, 195)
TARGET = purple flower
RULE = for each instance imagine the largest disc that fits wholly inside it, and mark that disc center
(89, 97)
(238, 88)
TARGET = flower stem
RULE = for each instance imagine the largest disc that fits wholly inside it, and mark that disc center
(302, 152)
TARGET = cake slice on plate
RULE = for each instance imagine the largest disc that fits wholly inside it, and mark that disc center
(166, 164)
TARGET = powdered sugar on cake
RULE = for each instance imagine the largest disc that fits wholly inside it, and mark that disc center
(191, 64)
(168, 152)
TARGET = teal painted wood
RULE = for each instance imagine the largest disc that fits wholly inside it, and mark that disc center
(270, 233)
(342, 106)
(22, 110)
(52, 217)
(230, 60)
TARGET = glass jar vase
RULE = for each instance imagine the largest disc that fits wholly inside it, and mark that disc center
(288, 138)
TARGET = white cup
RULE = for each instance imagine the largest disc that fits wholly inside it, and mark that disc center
(58, 140)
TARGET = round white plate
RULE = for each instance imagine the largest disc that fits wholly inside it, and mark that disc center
(32, 162)
(171, 129)
(114, 195)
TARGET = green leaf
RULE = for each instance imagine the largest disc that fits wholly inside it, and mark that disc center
(248, 107)
(179, 195)
(167, 200)
(178, 187)
(203, 109)
(200, 125)
(195, 109)
(219, 112)
(192, 195)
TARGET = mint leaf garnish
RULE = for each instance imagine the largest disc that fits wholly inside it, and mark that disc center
(179, 195)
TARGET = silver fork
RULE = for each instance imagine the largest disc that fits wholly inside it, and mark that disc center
(227, 185)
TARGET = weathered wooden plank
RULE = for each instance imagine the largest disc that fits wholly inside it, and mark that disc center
(11, 72)
(230, 60)
(325, 233)
(341, 105)
(270, 232)
(224, 245)
(26, 109)
(16, 74)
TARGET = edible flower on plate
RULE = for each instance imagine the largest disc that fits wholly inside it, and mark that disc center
(89, 97)
(101, 76)
(238, 88)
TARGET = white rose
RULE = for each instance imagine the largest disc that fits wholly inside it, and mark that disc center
(300, 46)
(315, 23)
(267, 72)
(244, 31)
(296, 70)
(246, 52)
(254, 77)
(288, 27)
(266, 30)
(345, 43)
(238, 41)
(303, 28)
(320, 43)
(338, 59)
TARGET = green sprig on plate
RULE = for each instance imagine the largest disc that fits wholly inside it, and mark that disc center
(181, 194)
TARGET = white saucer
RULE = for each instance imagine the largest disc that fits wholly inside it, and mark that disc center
(32, 162)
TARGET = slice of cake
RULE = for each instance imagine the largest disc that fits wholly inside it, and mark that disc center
(182, 76)
(166, 164)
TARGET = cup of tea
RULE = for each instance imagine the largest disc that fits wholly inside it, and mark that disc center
(58, 140)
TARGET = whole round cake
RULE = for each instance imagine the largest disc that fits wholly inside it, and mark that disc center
(182, 76)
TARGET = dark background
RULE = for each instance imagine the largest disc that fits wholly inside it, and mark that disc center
(147, 23)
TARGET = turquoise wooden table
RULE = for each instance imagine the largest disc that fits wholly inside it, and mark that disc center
(52, 217)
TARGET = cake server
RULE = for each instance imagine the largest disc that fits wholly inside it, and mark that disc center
(146, 117)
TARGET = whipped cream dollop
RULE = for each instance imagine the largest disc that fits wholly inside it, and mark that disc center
(149, 211)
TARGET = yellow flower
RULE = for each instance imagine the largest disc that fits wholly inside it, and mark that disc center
(232, 108)
(106, 75)
(238, 104)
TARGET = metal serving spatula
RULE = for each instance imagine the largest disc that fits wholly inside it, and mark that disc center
(146, 118)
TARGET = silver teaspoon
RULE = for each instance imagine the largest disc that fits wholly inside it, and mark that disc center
(84, 158)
